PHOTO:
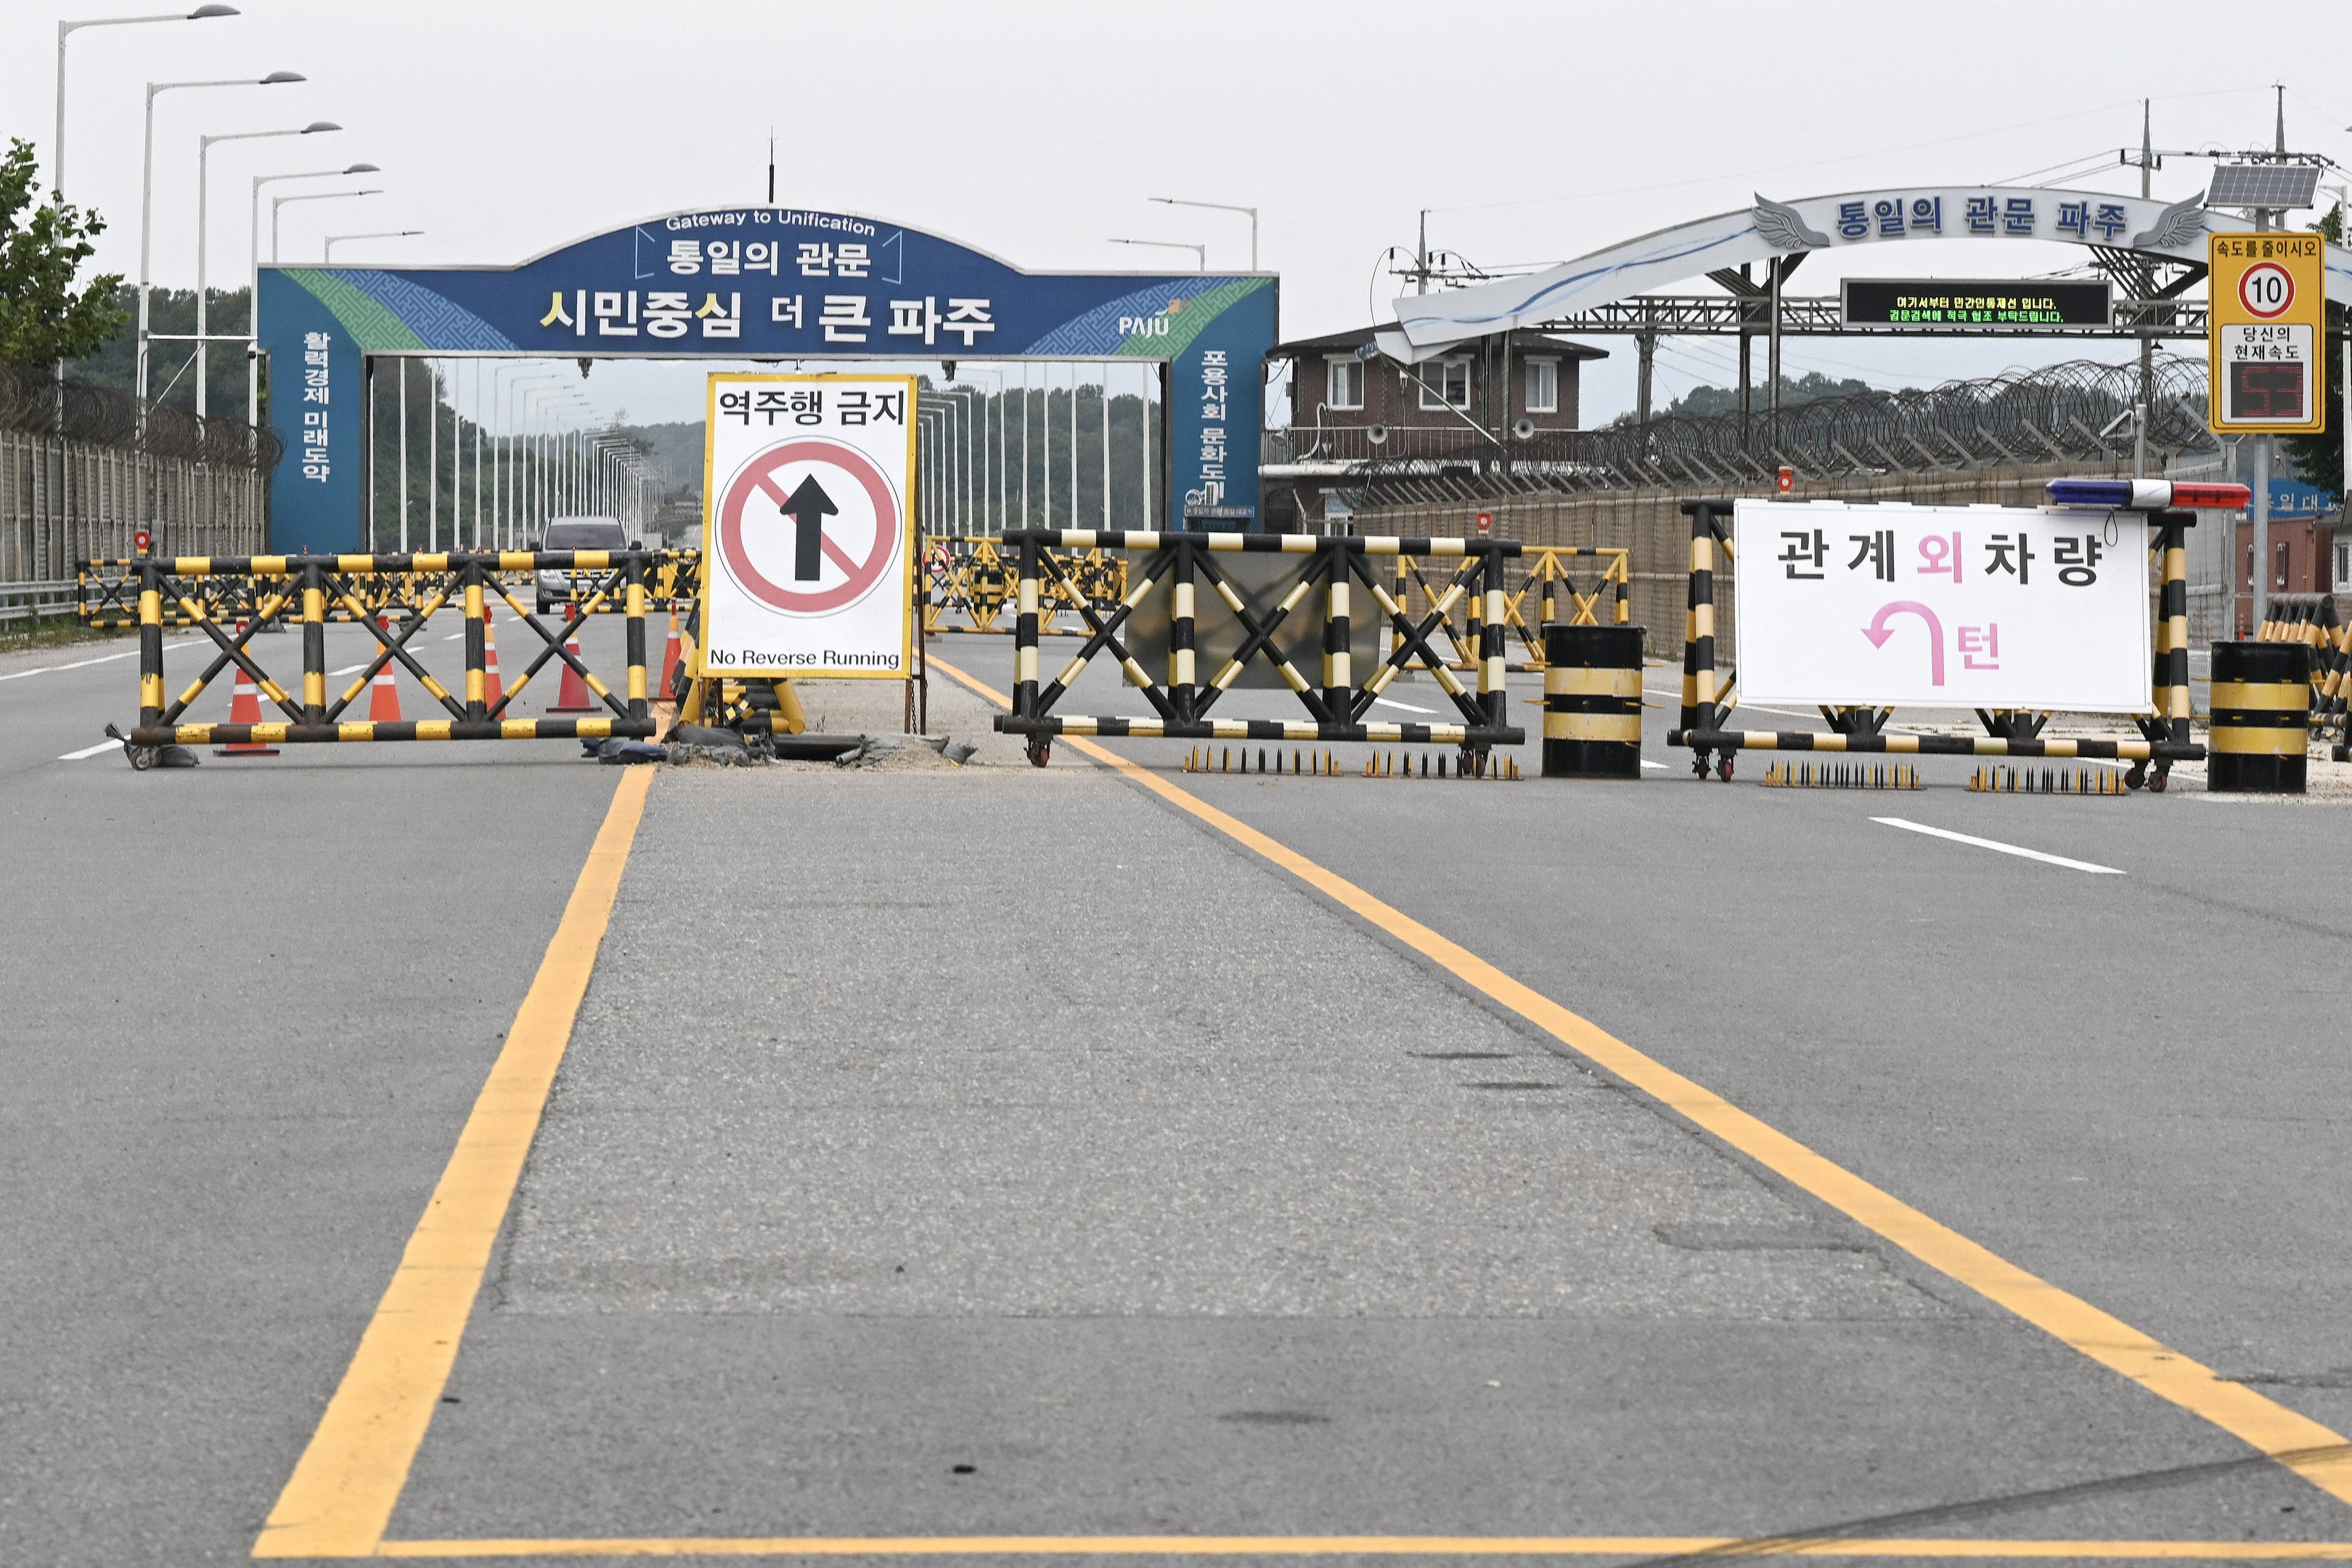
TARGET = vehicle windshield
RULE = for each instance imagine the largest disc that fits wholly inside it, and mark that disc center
(585, 533)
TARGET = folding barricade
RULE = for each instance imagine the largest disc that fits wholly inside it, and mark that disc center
(1708, 703)
(1176, 563)
(267, 588)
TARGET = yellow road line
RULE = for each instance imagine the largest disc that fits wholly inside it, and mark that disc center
(1365, 1546)
(341, 1495)
(2311, 1450)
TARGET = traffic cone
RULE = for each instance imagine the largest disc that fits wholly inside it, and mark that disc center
(244, 708)
(493, 689)
(383, 693)
(669, 657)
(574, 696)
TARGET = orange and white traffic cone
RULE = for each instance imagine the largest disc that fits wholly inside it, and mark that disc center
(669, 658)
(574, 696)
(244, 708)
(493, 689)
(383, 693)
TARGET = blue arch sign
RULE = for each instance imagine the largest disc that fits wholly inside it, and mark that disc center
(752, 283)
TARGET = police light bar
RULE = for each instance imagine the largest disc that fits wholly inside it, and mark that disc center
(2148, 495)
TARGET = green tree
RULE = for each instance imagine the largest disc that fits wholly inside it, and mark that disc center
(43, 317)
(2319, 460)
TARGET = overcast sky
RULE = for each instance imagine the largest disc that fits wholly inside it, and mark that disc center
(1534, 131)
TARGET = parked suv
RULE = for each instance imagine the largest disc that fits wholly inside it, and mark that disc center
(575, 534)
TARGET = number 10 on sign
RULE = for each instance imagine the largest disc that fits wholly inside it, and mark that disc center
(2268, 319)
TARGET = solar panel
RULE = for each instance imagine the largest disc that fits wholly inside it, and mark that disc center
(2274, 185)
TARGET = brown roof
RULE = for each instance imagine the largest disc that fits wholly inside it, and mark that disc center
(1524, 340)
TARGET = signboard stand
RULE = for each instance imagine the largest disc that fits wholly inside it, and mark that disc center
(1860, 726)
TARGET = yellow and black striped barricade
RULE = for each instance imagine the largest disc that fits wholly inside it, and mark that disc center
(1330, 569)
(308, 586)
(1708, 698)
(1592, 702)
(2262, 712)
(1551, 583)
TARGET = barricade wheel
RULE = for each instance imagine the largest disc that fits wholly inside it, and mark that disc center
(1699, 763)
(1041, 750)
(1723, 768)
(142, 757)
(2157, 780)
(2137, 777)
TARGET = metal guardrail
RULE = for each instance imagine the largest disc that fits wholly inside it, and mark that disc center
(300, 588)
(31, 601)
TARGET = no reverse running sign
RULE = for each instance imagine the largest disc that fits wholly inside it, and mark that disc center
(808, 563)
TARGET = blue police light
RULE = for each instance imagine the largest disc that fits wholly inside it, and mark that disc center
(2148, 495)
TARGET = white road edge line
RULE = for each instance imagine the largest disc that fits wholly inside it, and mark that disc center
(1391, 702)
(88, 751)
(1996, 845)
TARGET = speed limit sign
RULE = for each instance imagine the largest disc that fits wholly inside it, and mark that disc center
(2266, 291)
(2268, 323)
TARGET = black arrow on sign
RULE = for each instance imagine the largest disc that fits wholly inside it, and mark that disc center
(808, 509)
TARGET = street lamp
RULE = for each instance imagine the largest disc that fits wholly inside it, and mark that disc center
(275, 203)
(1222, 207)
(328, 251)
(253, 274)
(1200, 251)
(204, 190)
(147, 192)
(65, 30)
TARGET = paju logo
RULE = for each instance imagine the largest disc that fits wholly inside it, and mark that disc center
(1149, 326)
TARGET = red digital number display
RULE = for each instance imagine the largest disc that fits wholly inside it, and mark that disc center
(2266, 391)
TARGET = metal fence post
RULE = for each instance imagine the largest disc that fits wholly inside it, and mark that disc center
(1698, 625)
(1493, 693)
(1184, 679)
(314, 641)
(1025, 628)
(2172, 624)
(636, 569)
(478, 708)
(1339, 658)
(151, 642)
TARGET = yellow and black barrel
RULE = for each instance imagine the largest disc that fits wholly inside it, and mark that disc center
(2262, 711)
(1592, 702)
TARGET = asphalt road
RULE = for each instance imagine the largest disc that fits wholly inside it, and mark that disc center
(990, 1151)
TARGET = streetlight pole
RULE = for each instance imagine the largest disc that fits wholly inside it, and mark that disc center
(277, 203)
(204, 231)
(1222, 207)
(1200, 252)
(65, 31)
(328, 251)
(147, 198)
(253, 276)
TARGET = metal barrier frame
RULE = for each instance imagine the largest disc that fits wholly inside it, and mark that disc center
(1335, 710)
(277, 583)
(2008, 733)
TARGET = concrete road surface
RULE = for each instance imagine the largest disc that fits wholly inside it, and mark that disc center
(991, 1153)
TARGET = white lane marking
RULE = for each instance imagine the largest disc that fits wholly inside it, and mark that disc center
(1391, 703)
(21, 674)
(347, 669)
(102, 658)
(1748, 707)
(88, 751)
(1647, 763)
(453, 637)
(1996, 845)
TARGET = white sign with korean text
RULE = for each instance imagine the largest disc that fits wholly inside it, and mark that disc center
(1942, 606)
(808, 564)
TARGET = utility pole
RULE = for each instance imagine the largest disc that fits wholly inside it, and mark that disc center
(2149, 162)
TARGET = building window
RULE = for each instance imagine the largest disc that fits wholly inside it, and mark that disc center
(2343, 563)
(1543, 386)
(1444, 382)
(1344, 383)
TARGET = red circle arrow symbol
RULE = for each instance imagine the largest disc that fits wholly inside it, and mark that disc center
(809, 506)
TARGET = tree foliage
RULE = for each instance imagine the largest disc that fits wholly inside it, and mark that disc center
(43, 316)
